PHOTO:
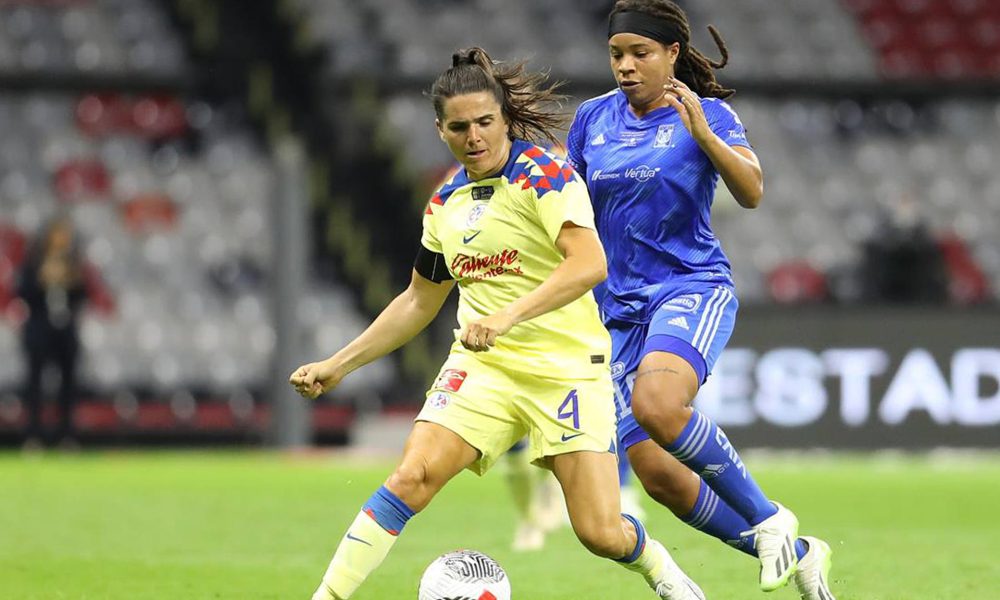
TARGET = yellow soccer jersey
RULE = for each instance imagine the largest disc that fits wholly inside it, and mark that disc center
(498, 238)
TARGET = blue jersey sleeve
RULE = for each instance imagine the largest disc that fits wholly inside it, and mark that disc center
(726, 124)
(575, 144)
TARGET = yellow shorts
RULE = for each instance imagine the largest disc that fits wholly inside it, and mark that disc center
(492, 408)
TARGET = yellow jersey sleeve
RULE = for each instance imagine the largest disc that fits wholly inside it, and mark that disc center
(571, 203)
(429, 238)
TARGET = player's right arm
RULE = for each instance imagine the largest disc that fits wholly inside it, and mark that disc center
(406, 316)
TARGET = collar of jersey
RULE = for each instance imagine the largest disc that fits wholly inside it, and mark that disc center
(656, 117)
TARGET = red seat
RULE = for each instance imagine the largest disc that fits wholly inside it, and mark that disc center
(934, 32)
(903, 63)
(967, 284)
(149, 212)
(158, 117)
(102, 114)
(13, 247)
(796, 282)
(82, 179)
(154, 117)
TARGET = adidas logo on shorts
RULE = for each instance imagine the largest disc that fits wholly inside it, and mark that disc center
(679, 321)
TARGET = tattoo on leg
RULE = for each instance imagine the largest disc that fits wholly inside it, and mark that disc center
(651, 371)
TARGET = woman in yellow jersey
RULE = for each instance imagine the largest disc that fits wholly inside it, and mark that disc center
(515, 229)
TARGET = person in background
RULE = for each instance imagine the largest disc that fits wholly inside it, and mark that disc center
(902, 261)
(52, 284)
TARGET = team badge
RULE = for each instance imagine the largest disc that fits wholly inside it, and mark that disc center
(450, 379)
(475, 214)
(664, 134)
(438, 400)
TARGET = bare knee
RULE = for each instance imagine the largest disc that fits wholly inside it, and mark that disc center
(661, 413)
(672, 492)
(412, 484)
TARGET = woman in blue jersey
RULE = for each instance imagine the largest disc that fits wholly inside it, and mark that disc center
(514, 229)
(652, 152)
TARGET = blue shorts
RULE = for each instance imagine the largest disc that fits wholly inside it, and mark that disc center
(694, 325)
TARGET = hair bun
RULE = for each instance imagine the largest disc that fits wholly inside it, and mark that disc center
(472, 56)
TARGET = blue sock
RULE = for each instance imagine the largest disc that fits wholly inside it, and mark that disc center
(716, 518)
(704, 448)
(640, 542)
(388, 510)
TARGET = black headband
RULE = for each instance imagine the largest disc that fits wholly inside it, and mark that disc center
(654, 28)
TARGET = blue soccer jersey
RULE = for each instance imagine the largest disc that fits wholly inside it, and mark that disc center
(652, 188)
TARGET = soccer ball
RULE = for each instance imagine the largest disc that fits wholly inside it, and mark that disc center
(464, 575)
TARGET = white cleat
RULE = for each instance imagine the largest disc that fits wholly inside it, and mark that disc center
(668, 580)
(812, 578)
(528, 537)
(775, 545)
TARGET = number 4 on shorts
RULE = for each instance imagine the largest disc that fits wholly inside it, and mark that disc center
(570, 407)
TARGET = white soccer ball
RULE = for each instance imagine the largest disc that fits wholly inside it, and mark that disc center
(464, 575)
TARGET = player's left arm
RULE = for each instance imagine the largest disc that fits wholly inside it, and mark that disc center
(738, 165)
(584, 266)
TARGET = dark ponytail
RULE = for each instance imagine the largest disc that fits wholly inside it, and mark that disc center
(532, 112)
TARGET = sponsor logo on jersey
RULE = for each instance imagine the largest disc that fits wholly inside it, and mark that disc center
(736, 134)
(679, 321)
(617, 369)
(468, 238)
(642, 173)
(685, 303)
(481, 266)
(632, 138)
(438, 400)
(598, 140)
(475, 214)
(601, 175)
(483, 193)
(664, 133)
(450, 380)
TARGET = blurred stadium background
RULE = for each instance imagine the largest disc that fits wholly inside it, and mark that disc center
(248, 179)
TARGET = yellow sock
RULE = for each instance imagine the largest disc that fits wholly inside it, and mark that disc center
(361, 551)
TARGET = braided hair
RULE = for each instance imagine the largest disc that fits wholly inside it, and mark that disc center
(693, 68)
(520, 94)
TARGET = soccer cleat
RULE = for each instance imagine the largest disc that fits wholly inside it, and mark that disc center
(528, 537)
(775, 546)
(812, 577)
(667, 579)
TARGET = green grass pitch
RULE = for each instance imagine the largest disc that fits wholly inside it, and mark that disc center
(137, 525)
